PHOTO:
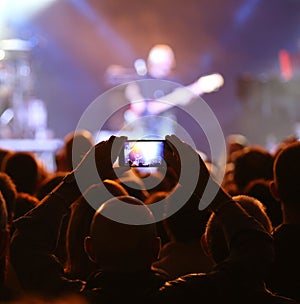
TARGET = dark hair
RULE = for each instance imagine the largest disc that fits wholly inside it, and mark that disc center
(260, 189)
(24, 203)
(9, 192)
(251, 163)
(3, 231)
(3, 213)
(3, 153)
(23, 168)
(215, 237)
(287, 173)
(48, 184)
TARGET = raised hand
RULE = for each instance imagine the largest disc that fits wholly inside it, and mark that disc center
(98, 162)
(193, 174)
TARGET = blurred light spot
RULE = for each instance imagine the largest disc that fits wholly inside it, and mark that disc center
(25, 70)
(2, 54)
(245, 11)
(140, 67)
(6, 116)
(285, 65)
(17, 12)
(15, 45)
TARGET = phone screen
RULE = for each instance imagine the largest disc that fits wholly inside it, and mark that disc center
(143, 153)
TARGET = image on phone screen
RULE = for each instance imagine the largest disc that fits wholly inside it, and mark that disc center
(143, 153)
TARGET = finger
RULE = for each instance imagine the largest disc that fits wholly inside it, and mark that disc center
(172, 142)
(117, 144)
(111, 138)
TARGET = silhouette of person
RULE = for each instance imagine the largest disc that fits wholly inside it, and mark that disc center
(284, 276)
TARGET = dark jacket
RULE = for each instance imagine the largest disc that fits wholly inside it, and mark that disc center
(284, 275)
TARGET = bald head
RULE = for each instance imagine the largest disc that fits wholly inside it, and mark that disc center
(114, 245)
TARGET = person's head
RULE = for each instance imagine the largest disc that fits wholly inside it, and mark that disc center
(24, 203)
(3, 153)
(4, 238)
(78, 265)
(76, 145)
(260, 189)
(235, 142)
(49, 183)
(251, 163)
(213, 240)
(161, 60)
(285, 185)
(116, 246)
(9, 192)
(24, 170)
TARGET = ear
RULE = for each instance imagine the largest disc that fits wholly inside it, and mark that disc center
(89, 248)
(274, 190)
(150, 248)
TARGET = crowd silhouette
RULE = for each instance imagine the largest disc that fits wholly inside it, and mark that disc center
(118, 235)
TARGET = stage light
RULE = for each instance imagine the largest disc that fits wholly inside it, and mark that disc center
(15, 45)
(17, 11)
(140, 67)
(2, 54)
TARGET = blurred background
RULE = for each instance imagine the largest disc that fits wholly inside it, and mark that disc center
(57, 56)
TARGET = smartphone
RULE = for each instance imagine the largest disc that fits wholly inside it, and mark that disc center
(143, 153)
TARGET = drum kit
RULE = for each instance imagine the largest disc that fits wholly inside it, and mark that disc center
(18, 105)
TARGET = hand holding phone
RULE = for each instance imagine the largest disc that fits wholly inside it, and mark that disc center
(98, 162)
